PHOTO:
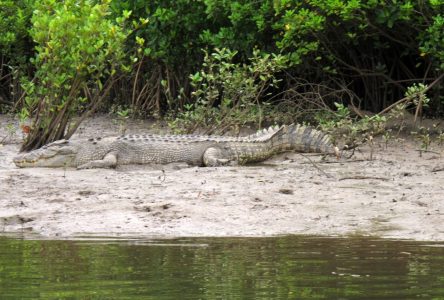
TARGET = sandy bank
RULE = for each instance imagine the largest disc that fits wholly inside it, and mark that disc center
(395, 195)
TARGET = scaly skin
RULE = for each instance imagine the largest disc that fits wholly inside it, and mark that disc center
(163, 149)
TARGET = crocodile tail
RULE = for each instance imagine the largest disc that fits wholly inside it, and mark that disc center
(301, 138)
(264, 134)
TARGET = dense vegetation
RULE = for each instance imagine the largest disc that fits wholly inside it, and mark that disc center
(215, 63)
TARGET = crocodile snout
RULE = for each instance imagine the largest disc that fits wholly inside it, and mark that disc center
(20, 160)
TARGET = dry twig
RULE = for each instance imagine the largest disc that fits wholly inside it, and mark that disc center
(316, 166)
(364, 177)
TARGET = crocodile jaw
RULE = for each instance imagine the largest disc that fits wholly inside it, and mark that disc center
(28, 161)
(57, 154)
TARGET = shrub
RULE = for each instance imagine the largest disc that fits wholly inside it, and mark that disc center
(227, 94)
(15, 47)
(79, 52)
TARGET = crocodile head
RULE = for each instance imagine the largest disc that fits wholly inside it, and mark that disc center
(60, 153)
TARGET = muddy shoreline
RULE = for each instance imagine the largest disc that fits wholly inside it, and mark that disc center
(396, 195)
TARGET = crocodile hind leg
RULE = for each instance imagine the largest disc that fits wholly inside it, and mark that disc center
(109, 161)
(214, 157)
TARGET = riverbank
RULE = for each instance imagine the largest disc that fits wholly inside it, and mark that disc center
(397, 194)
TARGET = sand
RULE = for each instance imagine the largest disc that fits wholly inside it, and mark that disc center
(397, 194)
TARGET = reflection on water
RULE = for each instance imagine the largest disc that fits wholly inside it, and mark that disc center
(287, 267)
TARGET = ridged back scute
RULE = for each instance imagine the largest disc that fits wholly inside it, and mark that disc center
(265, 134)
(301, 138)
(260, 136)
(281, 138)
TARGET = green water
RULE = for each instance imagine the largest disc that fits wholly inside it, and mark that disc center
(288, 267)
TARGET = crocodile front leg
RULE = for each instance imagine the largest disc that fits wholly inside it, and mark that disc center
(214, 157)
(109, 161)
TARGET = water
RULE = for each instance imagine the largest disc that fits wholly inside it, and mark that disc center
(287, 267)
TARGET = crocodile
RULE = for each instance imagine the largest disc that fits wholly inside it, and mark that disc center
(200, 150)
